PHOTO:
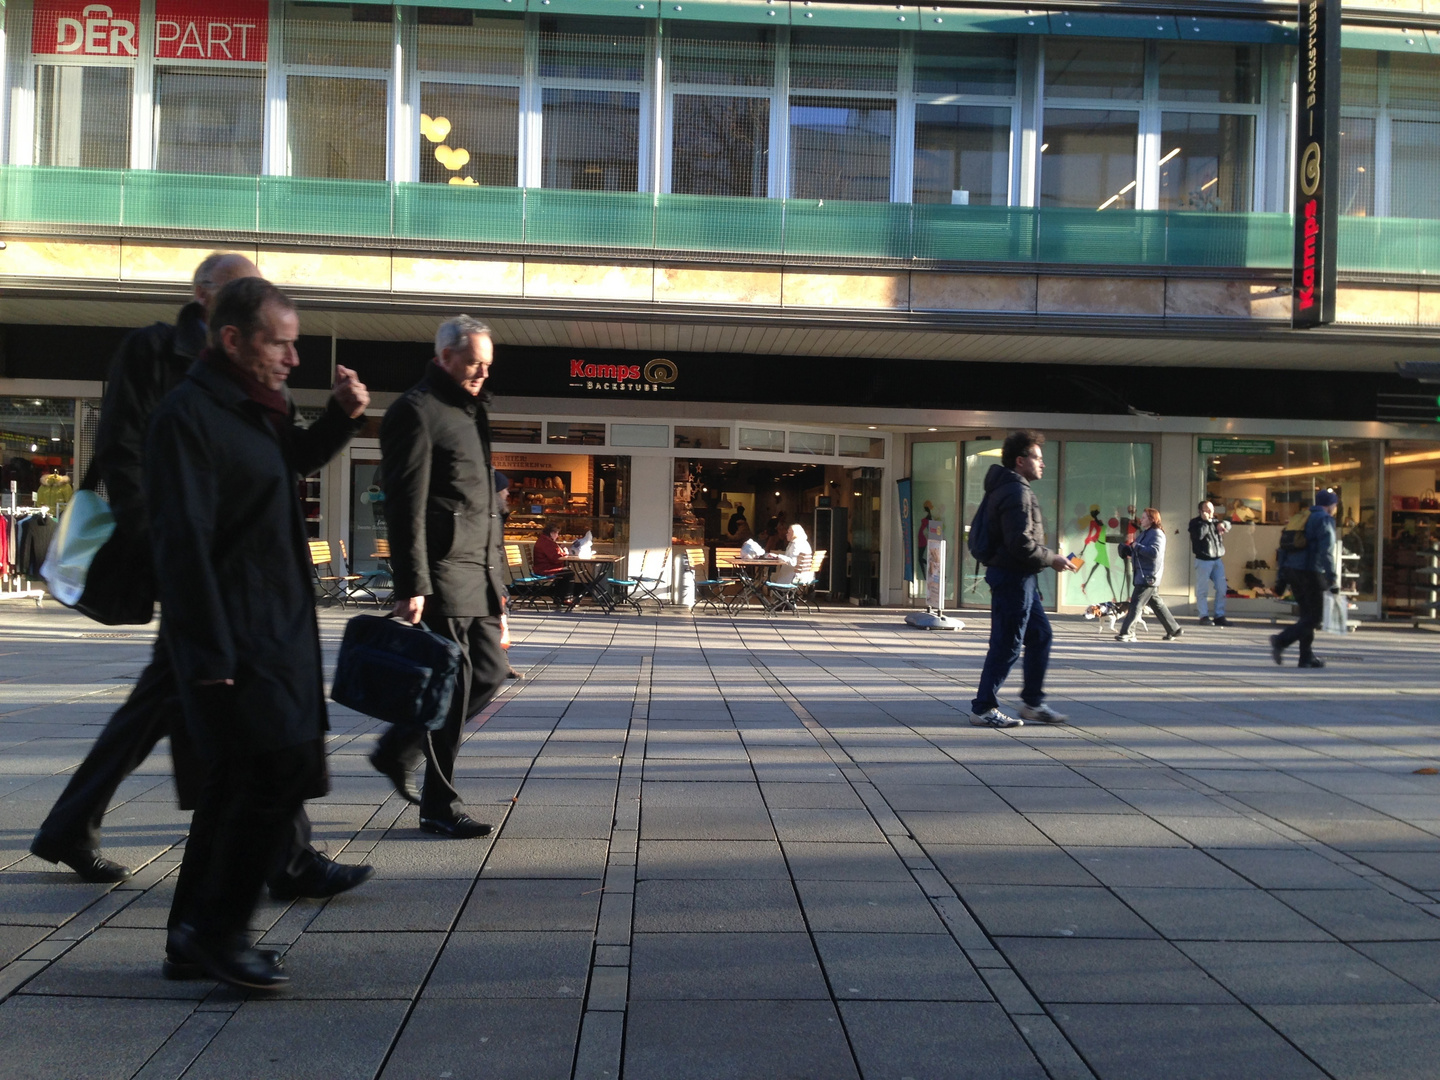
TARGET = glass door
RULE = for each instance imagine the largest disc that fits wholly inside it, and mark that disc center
(980, 456)
(1107, 486)
(367, 511)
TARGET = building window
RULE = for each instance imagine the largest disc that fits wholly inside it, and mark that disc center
(470, 72)
(962, 154)
(721, 79)
(1088, 161)
(1207, 162)
(82, 115)
(842, 144)
(209, 121)
(1094, 69)
(1389, 134)
(592, 74)
(1220, 74)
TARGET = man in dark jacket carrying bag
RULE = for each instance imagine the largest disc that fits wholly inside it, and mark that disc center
(446, 553)
(238, 612)
(1017, 613)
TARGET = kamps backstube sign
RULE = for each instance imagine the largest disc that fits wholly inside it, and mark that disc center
(227, 30)
(1317, 172)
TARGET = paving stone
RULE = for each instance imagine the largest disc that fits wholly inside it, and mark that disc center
(1364, 1042)
(546, 858)
(394, 905)
(40, 898)
(568, 793)
(833, 826)
(302, 1039)
(1220, 915)
(531, 1039)
(1419, 870)
(867, 906)
(903, 967)
(716, 906)
(705, 823)
(116, 962)
(722, 1040)
(530, 821)
(996, 865)
(1417, 962)
(76, 1038)
(1052, 911)
(982, 827)
(943, 798)
(1297, 973)
(15, 940)
(508, 964)
(889, 776)
(1091, 970)
(1233, 831)
(371, 966)
(844, 862)
(711, 859)
(1371, 915)
(1291, 868)
(532, 904)
(657, 794)
(1181, 1042)
(943, 1040)
(1174, 867)
(1105, 830)
(811, 796)
(1063, 800)
(734, 966)
(426, 856)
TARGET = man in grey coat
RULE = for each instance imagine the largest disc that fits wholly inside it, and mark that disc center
(447, 556)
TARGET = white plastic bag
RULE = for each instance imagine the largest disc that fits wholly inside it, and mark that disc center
(751, 549)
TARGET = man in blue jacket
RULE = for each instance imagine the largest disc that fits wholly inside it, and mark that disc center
(1311, 571)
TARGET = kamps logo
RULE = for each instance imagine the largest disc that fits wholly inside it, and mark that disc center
(658, 374)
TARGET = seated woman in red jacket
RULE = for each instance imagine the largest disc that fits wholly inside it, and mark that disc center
(549, 561)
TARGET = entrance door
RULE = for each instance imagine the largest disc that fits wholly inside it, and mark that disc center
(367, 510)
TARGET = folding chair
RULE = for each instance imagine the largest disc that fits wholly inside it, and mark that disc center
(708, 590)
(331, 586)
(525, 588)
(783, 595)
(365, 581)
(806, 593)
(622, 591)
(654, 563)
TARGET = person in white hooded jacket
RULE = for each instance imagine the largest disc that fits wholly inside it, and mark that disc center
(797, 544)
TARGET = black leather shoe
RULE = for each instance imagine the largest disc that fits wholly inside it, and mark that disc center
(1205, 620)
(177, 970)
(90, 865)
(235, 963)
(1173, 634)
(461, 827)
(1311, 661)
(398, 774)
(1276, 649)
(1220, 620)
(323, 878)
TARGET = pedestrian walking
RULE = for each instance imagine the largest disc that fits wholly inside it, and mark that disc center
(1147, 551)
(1016, 554)
(238, 614)
(446, 553)
(149, 364)
(1309, 568)
(1207, 543)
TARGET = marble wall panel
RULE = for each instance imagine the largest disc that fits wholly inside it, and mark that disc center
(458, 277)
(1399, 306)
(1100, 295)
(363, 271)
(1197, 298)
(169, 262)
(834, 289)
(590, 281)
(60, 259)
(1429, 305)
(941, 291)
(716, 285)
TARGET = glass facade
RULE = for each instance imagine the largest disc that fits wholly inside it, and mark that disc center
(1106, 487)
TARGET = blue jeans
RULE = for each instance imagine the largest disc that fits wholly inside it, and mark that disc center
(1017, 618)
(1206, 572)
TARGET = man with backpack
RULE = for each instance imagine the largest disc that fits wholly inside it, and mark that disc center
(1008, 536)
(1307, 559)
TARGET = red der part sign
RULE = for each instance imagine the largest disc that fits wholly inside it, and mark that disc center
(184, 29)
(211, 29)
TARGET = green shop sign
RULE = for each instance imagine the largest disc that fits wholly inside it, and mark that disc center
(1256, 447)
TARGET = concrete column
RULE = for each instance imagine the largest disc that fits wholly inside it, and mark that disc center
(651, 506)
(1175, 498)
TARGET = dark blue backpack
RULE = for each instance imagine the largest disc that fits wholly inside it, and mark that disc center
(983, 541)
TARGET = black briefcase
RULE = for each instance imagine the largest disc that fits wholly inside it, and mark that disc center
(396, 672)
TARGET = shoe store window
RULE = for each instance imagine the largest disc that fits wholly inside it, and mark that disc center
(1265, 486)
(1411, 528)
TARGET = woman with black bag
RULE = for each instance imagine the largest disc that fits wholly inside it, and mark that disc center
(1147, 551)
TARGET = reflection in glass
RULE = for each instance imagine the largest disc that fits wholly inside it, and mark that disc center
(721, 146)
(962, 155)
(1414, 164)
(812, 442)
(1414, 81)
(1090, 159)
(209, 121)
(965, 64)
(1218, 72)
(1357, 166)
(980, 455)
(339, 35)
(1107, 485)
(82, 116)
(844, 60)
(590, 140)
(762, 439)
(336, 127)
(469, 43)
(840, 148)
(469, 134)
(721, 54)
(1207, 162)
(1086, 68)
(933, 476)
(1359, 77)
(582, 48)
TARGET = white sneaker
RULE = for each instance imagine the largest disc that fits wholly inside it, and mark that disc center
(1130, 637)
(994, 718)
(1043, 714)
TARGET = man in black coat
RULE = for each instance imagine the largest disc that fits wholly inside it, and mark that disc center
(238, 611)
(446, 553)
(148, 365)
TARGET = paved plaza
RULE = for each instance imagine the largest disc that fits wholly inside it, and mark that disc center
(776, 849)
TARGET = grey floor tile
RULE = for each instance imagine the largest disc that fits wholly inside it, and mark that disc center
(1372, 915)
(716, 907)
(943, 798)
(705, 823)
(394, 905)
(531, 1039)
(532, 904)
(99, 1038)
(660, 793)
(1364, 1042)
(1229, 831)
(702, 771)
(889, 776)
(868, 906)
(1028, 775)
(833, 796)
(725, 1040)
(1298, 973)
(1290, 868)
(1176, 867)
(734, 966)
(1220, 915)
(1417, 962)
(1105, 830)
(844, 862)
(1063, 800)
(939, 1040)
(1419, 870)
(547, 858)
(370, 966)
(44, 898)
(1095, 971)
(1052, 911)
(302, 1039)
(568, 793)
(982, 827)
(542, 821)
(997, 865)
(900, 967)
(1181, 1042)
(115, 962)
(510, 964)
(421, 855)
(711, 859)
(827, 826)
(14, 940)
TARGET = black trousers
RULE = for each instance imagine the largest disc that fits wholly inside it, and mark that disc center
(1148, 594)
(1309, 589)
(482, 673)
(247, 807)
(151, 712)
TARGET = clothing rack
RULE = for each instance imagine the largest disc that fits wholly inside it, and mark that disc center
(13, 584)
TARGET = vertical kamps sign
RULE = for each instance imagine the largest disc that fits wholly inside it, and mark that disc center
(1317, 164)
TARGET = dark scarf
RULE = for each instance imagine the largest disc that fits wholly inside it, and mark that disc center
(274, 402)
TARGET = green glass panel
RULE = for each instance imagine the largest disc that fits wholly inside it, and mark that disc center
(1258, 240)
(974, 233)
(954, 20)
(872, 230)
(1133, 237)
(1380, 244)
(719, 223)
(774, 13)
(604, 219)
(37, 193)
(479, 5)
(157, 200)
(1114, 26)
(460, 212)
(634, 9)
(1199, 28)
(1384, 39)
(856, 16)
(296, 205)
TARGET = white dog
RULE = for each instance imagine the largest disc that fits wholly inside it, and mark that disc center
(1111, 612)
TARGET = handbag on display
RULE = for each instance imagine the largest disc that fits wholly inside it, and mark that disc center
(1427, 501)
(396, 672)
(1409, 502)
(102, 572)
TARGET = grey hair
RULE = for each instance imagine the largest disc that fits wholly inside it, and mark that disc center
(453, 333)
(210, 272)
